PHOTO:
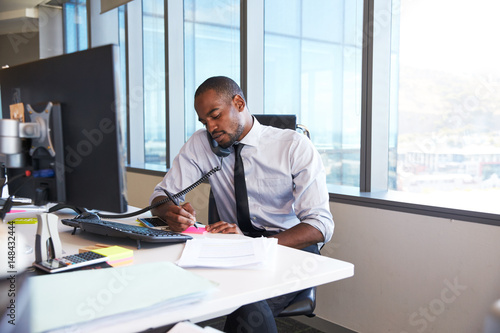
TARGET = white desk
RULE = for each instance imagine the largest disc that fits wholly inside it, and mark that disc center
(295, 270)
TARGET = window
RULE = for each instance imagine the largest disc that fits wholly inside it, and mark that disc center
(393, 105)
(154, 81)
(75, 25)
(445, 93)
(211, 48)
(313, 69)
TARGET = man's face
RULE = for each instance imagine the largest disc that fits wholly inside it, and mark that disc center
(220, 116)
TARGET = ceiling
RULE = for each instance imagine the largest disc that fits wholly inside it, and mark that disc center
(19, 16)
(9, 5)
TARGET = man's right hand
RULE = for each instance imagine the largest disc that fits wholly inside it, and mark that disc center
(178, 218)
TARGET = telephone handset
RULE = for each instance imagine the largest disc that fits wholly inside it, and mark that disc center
(218, 150)
(161, 202)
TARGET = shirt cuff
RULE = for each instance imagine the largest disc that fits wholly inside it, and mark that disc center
(323, 225)
(156, 193)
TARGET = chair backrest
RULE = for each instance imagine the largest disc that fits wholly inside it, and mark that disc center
(285, 121)
(278, 120)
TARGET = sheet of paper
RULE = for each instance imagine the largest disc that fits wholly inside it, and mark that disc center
(28, 211)
(226, 253)
(187, 327)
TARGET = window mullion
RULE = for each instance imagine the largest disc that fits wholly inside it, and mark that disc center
(366, 100)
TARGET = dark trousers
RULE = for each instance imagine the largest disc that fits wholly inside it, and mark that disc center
(258, 317)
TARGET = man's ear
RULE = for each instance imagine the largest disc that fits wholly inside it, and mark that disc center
(239, 102)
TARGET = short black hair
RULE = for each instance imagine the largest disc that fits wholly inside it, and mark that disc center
(222, 85)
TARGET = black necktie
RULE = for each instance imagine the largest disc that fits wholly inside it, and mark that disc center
(240, 191)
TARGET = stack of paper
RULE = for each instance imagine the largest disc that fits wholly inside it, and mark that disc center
(97, 298)
(228, 253)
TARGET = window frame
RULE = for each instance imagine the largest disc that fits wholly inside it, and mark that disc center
(373, 191)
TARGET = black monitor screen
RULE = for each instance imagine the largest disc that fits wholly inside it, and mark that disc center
(89, 160)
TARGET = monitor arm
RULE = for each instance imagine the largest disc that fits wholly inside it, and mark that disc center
(38, 129)
(13, 131)
(44, 156)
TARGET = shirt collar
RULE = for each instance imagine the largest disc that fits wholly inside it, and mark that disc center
(252, 137)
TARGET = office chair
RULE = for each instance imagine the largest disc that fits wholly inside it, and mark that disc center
(286, 121)
(305, 302)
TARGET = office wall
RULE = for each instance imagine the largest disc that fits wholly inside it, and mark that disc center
(51, 32)
(38, 39)
(412, 273)
(19, 48)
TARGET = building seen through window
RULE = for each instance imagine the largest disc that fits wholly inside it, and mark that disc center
(75, 25)
(446, 89)
(211, 48)
(153, 40)
(313, 69)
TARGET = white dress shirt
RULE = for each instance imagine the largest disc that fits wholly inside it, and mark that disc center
(285, 178)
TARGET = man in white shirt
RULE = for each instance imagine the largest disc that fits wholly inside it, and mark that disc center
(285, 181)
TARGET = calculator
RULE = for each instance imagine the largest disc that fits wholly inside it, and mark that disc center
(70, 262)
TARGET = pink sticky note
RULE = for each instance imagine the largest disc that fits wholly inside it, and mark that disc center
(193, 230)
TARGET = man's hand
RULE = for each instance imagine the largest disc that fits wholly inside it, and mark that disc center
(178, 218)
(222, 227)
(300, 236)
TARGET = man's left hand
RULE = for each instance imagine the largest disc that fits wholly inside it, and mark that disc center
(222, 227)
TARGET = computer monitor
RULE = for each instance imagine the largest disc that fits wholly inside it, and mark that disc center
(81, 162)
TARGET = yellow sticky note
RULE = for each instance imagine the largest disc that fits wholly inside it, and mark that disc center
(117, 255)
(25, 220)
(115, 252)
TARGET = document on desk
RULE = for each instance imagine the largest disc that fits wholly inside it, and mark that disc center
(25, 211)
(229, 253)
(83, 300)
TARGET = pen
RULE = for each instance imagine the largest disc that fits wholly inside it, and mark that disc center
(175, 202)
